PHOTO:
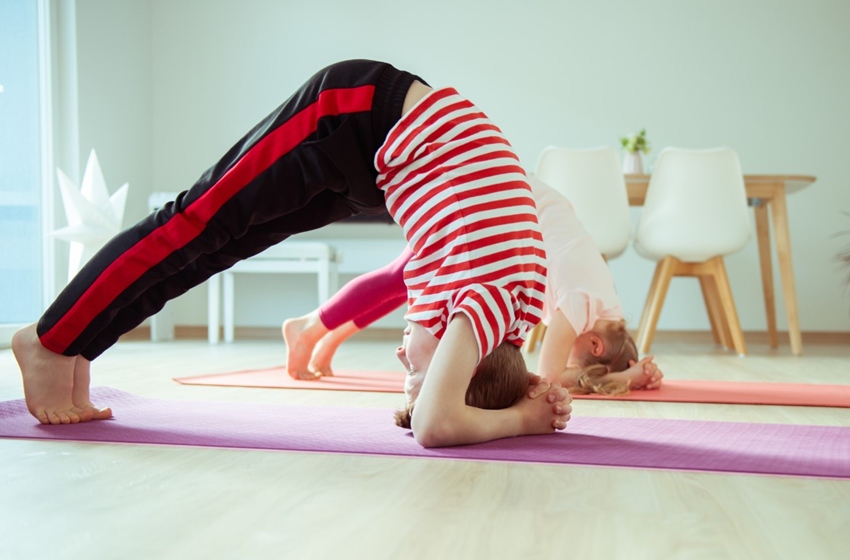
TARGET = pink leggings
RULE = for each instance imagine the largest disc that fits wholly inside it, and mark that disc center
(368, 297)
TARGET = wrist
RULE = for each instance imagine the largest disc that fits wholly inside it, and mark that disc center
(568, 378)
(521, 421)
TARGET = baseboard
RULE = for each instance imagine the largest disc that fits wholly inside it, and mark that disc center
(198, 332)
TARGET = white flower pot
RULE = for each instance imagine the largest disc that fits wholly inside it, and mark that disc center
(633, 163)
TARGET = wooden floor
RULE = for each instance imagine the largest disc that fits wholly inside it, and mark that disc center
(73, 500)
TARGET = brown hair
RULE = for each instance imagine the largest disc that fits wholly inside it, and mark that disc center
(500, 381)
(620, 348)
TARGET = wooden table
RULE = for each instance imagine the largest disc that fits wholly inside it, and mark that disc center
(765, 193)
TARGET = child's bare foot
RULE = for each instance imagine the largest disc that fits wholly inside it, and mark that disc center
(640, 375)
(48, 379)
(80, 394)
(301, 336)
(323, 353)
(320, 361)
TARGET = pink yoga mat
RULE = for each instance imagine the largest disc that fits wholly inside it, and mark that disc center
(818, 451)
(728, 392)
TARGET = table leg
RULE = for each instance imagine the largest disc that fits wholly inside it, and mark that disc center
(763, 237)
(779, 213)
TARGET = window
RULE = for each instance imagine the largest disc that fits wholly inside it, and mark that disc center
(22, 278)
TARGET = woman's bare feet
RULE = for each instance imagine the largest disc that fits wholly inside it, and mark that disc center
(80, 394)
(323, 353)
(301, 336)
(640, 375)
(48, 379)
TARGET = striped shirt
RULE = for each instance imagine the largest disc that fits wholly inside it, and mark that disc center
(454, 184)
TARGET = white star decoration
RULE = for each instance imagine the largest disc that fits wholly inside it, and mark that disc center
(94, 217)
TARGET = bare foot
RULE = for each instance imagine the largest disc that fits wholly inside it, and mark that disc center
(320, 361)
(80, 393)
(48, 379)
(640, 375)
(323, 353)
(301, 336)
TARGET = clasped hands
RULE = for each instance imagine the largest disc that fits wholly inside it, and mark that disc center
(547, 407)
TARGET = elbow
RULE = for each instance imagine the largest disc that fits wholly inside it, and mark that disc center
(432, 432)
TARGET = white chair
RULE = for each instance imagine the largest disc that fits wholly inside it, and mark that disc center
(694, 214)
(592, 180)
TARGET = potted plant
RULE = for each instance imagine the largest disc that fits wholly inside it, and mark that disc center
(634, 145)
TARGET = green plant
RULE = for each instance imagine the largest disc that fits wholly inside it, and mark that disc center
(635, 142)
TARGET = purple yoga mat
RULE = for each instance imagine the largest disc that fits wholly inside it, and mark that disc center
(624, 442)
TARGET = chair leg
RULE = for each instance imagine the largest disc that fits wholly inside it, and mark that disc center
(719, 327)
(535, 336)
(655, 300)
(644, 316)
(725, 292)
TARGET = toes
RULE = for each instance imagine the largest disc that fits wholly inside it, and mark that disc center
(42, 416)
(307, 375)
(53, 417)
(73, 415)
(85, 413)
(322, 371)
(102, 413)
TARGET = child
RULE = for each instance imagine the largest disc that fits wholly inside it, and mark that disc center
(357, 136)
(587, 348)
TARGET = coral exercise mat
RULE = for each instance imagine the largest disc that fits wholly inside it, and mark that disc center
(728, 392)
(818, 451)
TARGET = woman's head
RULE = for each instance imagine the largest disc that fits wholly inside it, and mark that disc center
(500, 380)
(601, 351)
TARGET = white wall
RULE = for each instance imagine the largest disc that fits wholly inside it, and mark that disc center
(167, 86)
(114, 66)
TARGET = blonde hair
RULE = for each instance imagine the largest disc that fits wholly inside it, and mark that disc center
(620, 348)
(500, 381)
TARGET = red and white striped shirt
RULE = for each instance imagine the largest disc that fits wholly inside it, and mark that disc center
(454, 184)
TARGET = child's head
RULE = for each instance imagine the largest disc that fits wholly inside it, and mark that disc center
(601, 351)
(415, 354)
(500, 380)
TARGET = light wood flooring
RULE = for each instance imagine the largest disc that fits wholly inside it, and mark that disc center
(97, 501)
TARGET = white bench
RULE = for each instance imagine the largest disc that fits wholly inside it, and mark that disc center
(288, 257)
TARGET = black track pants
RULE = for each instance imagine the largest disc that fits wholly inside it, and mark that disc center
(308, 164)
